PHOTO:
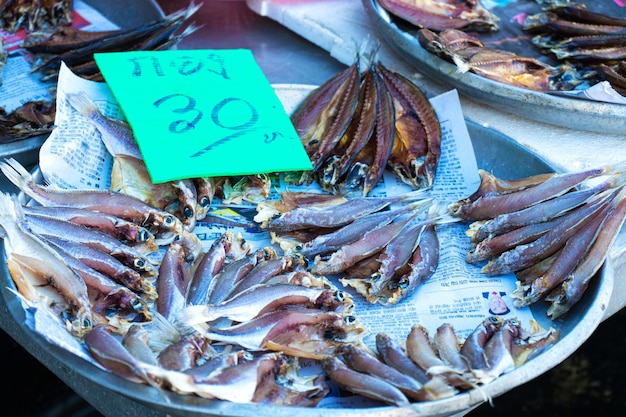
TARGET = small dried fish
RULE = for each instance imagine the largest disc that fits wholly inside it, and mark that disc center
(324, 115)
(417, 142)
(263, 298)
(163, 225)
(441, 15)
(363, 384)
(571, 290)
(40, 274)
(336, 216)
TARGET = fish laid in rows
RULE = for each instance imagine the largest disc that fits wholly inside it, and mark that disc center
(422, 367)
(165, 226)
(591, 42)
(357, 124)
(40, 274)
(552, 231)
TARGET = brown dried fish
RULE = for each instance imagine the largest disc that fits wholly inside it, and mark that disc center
(444, 14)
(417, 143)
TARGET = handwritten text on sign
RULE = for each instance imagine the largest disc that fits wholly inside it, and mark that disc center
(202, 113)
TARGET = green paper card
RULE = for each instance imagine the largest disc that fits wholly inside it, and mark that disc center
(202, 113)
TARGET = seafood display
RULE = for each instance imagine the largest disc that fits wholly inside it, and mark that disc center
(355, 125)
(424, 367)
(233, 316)
(35, 15)
(469, 53)
(441, 15)
(587, 39)
(383, 252)
(51, 39)
(76, 47)
(553, 231)
(584, 47)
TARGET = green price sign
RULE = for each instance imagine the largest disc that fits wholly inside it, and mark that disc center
(202, 113)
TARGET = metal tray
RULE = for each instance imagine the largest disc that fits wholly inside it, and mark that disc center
(125, 15)
(113, 395)
(567, 112)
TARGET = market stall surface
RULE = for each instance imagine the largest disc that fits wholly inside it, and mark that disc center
(589, 381)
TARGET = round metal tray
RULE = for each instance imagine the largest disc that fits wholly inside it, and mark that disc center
(110, 394)
(567, 112)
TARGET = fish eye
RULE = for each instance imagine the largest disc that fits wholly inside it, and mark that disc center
(144, 235)
(313, 142)
(86, 323)
(140, 263)
(350, 319)
(493, 320)
(514, 322)
(188, 212)
(340, 296)
(136, 305)
(403, 283)
(205, 201)
(169, 220)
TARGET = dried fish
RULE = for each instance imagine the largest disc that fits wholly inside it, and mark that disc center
(417, 142)
(336, 216)
(441, 15)
(127, 232)
(571, 290)
(263, 298)
(325, 114)
(363, 384)
(489, 206)
(112, 355)
(30, 119)
(163, 225)
(40, 274)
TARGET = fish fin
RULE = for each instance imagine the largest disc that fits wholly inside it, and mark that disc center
(16, 173)
(82, 103)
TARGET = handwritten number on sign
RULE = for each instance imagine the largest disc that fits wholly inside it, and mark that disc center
(239, 128)
(182, 126)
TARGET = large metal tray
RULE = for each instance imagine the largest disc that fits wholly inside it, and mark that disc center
(114, 396)
(567, 112)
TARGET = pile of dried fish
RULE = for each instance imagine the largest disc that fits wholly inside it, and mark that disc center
(589, 39)
(31, 119)
(34, 15)
(76, 47)
(422, 368)
(441, 15)
(553, 236)
(383, 252)
(469, 53)
(355, 125)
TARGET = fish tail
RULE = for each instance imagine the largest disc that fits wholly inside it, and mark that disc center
(83, 104)
(16, 173)
(195, 314)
